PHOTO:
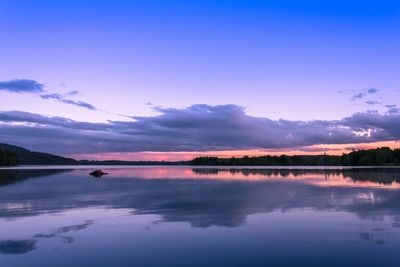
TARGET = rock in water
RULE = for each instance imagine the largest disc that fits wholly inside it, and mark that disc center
(98, 173)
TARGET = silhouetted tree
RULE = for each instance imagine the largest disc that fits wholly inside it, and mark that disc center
(377, 157)
(7, 158)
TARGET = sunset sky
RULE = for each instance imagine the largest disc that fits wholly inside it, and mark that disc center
(169, 80)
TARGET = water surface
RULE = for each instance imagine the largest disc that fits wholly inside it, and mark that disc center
(203, 216)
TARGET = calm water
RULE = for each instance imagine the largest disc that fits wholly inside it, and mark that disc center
(183, 216)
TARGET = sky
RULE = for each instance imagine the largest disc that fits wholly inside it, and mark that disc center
(169, 79)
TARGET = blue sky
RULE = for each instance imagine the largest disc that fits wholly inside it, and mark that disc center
(291, 60)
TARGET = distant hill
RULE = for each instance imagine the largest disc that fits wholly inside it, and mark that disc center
(27, 157)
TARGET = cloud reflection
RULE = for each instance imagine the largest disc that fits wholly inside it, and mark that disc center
(204, 202)
(59, 232)
(17, 246)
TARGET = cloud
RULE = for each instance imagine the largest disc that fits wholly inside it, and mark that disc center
(359, 94)
(372, 90)
(63, 99)
(195, 128)
(182, 200)
(74, 92)
(393, 111)
(372, 102)
(21, 86)
(31, 86)
(390, 106)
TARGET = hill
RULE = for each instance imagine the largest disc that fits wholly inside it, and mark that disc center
(27, 157)
(7, 158)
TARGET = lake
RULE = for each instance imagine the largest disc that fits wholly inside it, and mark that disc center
(199, 216)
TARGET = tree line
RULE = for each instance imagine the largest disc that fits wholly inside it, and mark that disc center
(373, 157)
(7, 158)
(383, 156)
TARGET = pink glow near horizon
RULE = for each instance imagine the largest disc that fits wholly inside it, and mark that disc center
(312, 177)
(335, 149)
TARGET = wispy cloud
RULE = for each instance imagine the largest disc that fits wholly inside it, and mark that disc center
(74, 92)
(393, 110)
(21, 86)
(63, 99)
(195, 128)
(372, 102)
(372, 90)
(364, 93)
(32, 86)
(358, 95)
(390, 106)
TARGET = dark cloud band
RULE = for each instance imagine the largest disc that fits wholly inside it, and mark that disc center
(196, 128)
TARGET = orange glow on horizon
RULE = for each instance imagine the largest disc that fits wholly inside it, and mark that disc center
(332, 149)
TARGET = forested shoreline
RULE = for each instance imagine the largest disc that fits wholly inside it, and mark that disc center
(372, 157)
(7, 158)
(384, 156)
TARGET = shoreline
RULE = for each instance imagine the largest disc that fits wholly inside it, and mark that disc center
(261, 167)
